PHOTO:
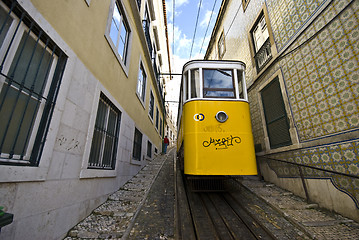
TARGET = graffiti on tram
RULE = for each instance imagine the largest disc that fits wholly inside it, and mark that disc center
(222, 143)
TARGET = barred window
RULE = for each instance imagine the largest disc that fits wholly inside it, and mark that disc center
(31, 71)
(161, 126)
(261, 42)
(137, 145)
(149, 149)
(151, 106)
(105, 138)
(157, 117)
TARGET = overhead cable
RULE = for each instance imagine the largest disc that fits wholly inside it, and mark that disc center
(205, 34)
(195, 28)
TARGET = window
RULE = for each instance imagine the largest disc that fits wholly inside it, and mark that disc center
(141, 84)
(275, 115)
(221, 46)
(218, 83)
(195, 87)
(149, 149)
(261, 42)
(240, 75)
(138, 4)
(105, 138)
(245, 4)
(31, 71)
(88, 2)
(146, 24)
(151, 106)
(137, 145)
(157, 118)
(119, 32)
(161, 126)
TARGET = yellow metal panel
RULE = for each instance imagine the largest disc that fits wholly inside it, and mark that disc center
(214, 148)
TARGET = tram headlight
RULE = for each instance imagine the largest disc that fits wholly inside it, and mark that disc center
(221, 116)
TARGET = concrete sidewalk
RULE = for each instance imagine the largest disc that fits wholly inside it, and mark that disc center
(116, 217)
(144, 209)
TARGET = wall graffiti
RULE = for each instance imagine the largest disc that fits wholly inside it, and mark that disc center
(222, 143)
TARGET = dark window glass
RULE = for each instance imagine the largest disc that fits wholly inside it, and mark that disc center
(105, 137)
(275, 115)
(218, 83)
(149, 149)
(137, 145)
(28, 89)
(151, 106)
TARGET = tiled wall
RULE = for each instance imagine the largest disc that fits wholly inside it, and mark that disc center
(321, 77)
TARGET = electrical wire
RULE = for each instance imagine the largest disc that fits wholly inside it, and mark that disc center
(195, 28)
(173, 28)
(210, 18)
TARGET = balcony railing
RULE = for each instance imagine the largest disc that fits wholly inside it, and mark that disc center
(146, 29)
(263, 56)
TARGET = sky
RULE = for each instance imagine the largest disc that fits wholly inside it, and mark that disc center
(187, 41)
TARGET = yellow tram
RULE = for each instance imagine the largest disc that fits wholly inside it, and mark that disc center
(214, 126)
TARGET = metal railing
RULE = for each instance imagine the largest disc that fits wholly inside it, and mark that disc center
(297, 170)
(26, 106)
(146, 29)
(263, 55)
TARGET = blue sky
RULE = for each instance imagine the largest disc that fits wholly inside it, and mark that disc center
(184, 27)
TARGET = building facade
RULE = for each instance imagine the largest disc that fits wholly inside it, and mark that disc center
(302, 77)
(81, 106)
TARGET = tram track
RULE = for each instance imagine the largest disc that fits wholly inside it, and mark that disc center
(232, 214)
(220, 216)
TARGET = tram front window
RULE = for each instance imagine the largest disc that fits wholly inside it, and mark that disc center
(218, 83)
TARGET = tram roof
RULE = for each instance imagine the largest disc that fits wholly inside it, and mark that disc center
(214, 64)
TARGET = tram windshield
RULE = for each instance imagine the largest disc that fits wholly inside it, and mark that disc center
(218, 83)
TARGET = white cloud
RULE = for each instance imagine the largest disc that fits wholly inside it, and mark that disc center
(206, 18)
(178, 4)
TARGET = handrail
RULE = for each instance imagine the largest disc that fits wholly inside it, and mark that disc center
(315, 168)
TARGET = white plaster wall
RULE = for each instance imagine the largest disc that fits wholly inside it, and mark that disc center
(50, 199)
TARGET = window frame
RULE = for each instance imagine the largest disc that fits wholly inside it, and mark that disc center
(245, 4)
(141, 84)
(151, 106)
(104, 130)
(268, 46)
(233, 89)
(289, 117)
(18, 31)
(157, 118)
(137, 145)
(149, 149)
(88, 2)
(123, 60)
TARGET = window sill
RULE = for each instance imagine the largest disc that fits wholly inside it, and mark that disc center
(97, 173)
(136, 162)
(142, 102)
(114, 50)
(10, 173)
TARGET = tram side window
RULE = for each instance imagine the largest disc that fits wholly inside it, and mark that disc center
(240, 83)
(184, 87)
(195, 88)
(218, 83)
